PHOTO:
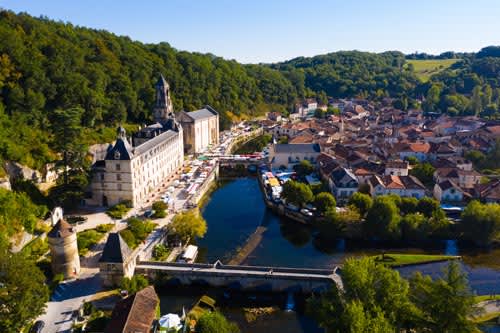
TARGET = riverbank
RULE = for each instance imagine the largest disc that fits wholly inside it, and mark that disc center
(402, 260)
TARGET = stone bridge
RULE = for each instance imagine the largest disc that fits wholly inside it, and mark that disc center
(244, 277)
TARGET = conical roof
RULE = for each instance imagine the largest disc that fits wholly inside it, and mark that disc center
(115, 250)
(162, 82)
(61, 229)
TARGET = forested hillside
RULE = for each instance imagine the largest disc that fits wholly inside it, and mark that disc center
(468, 87)
(355, 74)
(47, 66)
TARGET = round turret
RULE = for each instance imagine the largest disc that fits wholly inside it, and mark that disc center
(64, 249)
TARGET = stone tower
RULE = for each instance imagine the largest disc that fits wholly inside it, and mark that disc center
(63, 246)
(117, 261)
(163, 109)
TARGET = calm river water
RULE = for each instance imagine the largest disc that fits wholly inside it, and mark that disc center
(236, 209)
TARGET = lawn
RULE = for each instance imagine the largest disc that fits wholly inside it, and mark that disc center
(88, 238)
(426, 68)
(483, 298)
(394, 259)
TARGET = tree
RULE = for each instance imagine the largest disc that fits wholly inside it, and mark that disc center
(319, 113)
(297, 193)
(412, 160)
(189, 225)
(23, 292)
(408, 205)
(481, 223)
(332, 226)
(476, 157)
(324, 201)
(428, 206)
(382, 220)
(304, 168)
(283, 139)
(445, 304)
(424, 172)
(374, 299)
(362, 202)
(476, 105)
(67, 131)
(411, 225)
(215, 322)
(134, 284)
(159, 208)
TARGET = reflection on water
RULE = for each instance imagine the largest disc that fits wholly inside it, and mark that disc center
(236, 209)
(232, 303)
(451, 248)
(490, 328)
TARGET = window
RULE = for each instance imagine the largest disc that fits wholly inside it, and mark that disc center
(118, 166)
(119, 186)
(118, 177)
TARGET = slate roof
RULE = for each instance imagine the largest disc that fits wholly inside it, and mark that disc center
(206, 112)
(297, 148)
(115, 250)
(61, 229)
(447, 184)
(123, 147)
(134, 314)
(343, 177)
(154, 141)
(162, 82)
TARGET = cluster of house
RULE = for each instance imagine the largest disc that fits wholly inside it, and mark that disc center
(132, 168)
(370, 145)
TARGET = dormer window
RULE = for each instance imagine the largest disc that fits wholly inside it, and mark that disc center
(117, 155)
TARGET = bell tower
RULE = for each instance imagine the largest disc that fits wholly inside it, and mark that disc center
(163, 108)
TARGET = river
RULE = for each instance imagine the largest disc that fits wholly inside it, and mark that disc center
(236, 209)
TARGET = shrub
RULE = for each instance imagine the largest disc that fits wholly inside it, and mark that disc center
(118, 211)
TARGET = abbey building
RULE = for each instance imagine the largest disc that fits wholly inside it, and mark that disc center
(135, 166)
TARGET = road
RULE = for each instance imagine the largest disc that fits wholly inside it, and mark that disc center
(68, 297)
(242, 270)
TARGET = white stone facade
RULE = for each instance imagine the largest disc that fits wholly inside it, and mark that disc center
(132, 172)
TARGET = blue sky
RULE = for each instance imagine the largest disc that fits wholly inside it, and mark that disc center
(275, 30)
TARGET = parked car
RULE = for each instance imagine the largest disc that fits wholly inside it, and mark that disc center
(37, 327)
(292, 207)
(149, 213)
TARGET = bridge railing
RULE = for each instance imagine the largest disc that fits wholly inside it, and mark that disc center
(308, 271)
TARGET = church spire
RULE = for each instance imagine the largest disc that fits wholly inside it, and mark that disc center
(163, 109)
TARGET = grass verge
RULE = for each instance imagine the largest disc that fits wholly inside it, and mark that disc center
(396, 260)
(482, 298)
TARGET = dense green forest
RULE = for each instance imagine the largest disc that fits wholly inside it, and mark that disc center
(353, 74)
(46, 66)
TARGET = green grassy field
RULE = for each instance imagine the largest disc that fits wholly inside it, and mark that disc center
(394, 259)
(483, 298)
(426, 68)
